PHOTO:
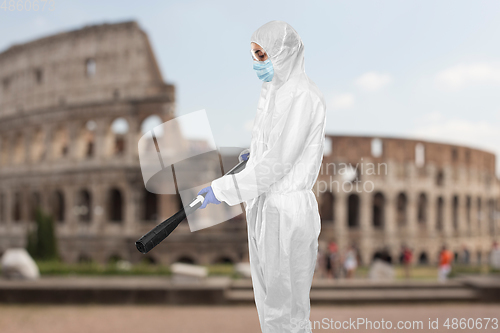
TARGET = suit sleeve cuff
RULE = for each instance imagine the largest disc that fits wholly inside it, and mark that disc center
(217, 193)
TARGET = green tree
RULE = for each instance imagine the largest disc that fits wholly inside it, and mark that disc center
(42, 243)
(31, 242)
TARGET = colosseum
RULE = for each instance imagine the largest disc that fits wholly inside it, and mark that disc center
(74, 105)
(377, 193)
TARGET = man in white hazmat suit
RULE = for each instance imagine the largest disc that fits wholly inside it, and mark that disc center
(285, 157)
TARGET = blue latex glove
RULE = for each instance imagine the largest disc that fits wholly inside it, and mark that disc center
(209, 197)
(245, 156)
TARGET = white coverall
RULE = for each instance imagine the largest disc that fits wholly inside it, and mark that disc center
(285, 158)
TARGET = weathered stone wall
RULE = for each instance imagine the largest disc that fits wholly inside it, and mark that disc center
(408, 209)
(59, 69)
(59, 152)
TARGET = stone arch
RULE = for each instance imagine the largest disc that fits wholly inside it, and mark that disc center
(18, 152)
(60, 142)
(186, 259)
(150, 206)
(58, 206)
(17, 207)
(497, 214)
(454, 154)
(423, 258)
(90, 67)
(378, 215)
(4, 150)
(357, 178)
(327, 204)
(401, 209)
(85, 258)
(224, 260)
(37, 145)
(440, 178)
(38, 72)
(35, 201)
(116, 136)
(115, 205)
(422, 208)
(468, 210)
(479, 212)
(419, 155)
(84, 206)
(150, 122)
(454, 211)
(440, 213)
(2, 207)
(491, 216)
(86, 141)
(353, 211)
(377, 147)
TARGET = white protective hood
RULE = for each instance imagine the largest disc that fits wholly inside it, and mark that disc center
(288, 131)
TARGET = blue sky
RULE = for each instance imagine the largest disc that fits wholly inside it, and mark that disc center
(424, 69)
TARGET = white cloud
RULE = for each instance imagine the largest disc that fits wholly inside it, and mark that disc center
(462, 75)
(373, 81)
(479, 134)
(342, 101)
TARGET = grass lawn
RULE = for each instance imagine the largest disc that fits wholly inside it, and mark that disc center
(53, 268)
(430, 272)
(56, 268)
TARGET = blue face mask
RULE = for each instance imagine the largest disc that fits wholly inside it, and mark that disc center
(264, 69)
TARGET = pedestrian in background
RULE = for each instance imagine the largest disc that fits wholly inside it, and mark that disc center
(495, 256)
(445, 260)
(465, 255)
(407, 258)
(332, 260)
(350, 262)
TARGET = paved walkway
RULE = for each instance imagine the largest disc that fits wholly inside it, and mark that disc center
(221, 319)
